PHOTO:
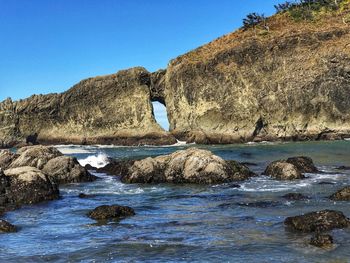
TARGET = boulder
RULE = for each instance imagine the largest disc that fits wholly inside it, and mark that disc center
(324, 220)
(35, 156)
(295, 196)
(304, 164)
(291, 169)
(6, 227)
(6, 158)
(25, 185)
(116, 167)
(321, 240)
(106, 212)
(281, 170)
(192, 165)
(66, 169)
(341, 195)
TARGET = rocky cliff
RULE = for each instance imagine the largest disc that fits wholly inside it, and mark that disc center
(291, 82)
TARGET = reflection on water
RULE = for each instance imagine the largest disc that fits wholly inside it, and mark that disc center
(186, 223)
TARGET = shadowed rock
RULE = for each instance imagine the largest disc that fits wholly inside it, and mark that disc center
(341, 195)
(295, 196)
(186, 166)
(291, 169)
(6, 158)
(317, 221)
(6, 227)
(116, 167)
(25, 185)
(321, 240)
(106, 212)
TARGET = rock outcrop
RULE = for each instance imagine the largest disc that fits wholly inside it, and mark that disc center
(60, 169)
(291, 169)
(317, 221)
(289, 83)
(322, 240)
(25, 185)
(193, 166)
(341, 195)
(106, 212)
(6, 227)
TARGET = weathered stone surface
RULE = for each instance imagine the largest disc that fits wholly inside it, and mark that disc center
(282, 170)
(25, 185)
(291, 169)
(6, 227)
(321, 240)
(186, 166)
(66, 169)
(105, 212)
(317, 221)
(6, 158)
(117, 167)
(341, 195)
(112, 109)
(35, 156)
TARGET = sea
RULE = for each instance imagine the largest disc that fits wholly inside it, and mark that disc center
(186, 223)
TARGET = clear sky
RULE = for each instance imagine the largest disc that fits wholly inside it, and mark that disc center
(49, 45)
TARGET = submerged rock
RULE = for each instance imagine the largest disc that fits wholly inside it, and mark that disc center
(295, 196)
(321, 240)
(186, 166)
(66, 169)
(25, 185)
(291, 169)
(341, 195)
(83, 195)
(6, 227)
(105, 212)
(344, 168)
(317, 221)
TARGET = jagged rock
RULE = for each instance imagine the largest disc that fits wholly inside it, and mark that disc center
(6, 227)
(105, 212)
(324, 220)
(66, 169)
(321, 240)
(35, 156)
(304, 164)
(186, 166)
(291, 169)
(25, 185)
(6, 158)
(295, 196)
(282, 170)
(116, 167)
(341, 195)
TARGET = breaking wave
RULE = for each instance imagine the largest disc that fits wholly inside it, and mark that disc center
(98, 161)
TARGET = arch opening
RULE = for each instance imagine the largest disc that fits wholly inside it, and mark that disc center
(160, 114)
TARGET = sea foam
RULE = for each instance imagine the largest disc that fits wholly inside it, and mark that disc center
(98, 161)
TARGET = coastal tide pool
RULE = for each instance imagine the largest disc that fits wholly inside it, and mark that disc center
(185, 223)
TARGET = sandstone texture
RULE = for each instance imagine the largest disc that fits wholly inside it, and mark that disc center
(193, 166)
(289, 83)
(291, 169)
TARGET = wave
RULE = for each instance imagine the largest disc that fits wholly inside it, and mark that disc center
(98, 161)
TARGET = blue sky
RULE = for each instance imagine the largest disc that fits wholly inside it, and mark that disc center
(49, 45)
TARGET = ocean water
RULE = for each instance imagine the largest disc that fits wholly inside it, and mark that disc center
(185, 223)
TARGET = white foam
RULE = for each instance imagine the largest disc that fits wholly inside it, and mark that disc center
(73, 149)
(98, 161)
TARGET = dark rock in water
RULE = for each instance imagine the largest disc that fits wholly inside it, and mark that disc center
(6, 158)
(194, 166)
(248, 164)
(317, 221)
(6, 227)
(105, 212)
(281, 170)
(295, 196)
(83, 195)
(291, 169)
(325, 183)
(66, 169)
(345, 168)
(116, 167)
(304, 164)
(25, 185)
(321, 240)
(341, 195)
(260, 204)
(90, 167)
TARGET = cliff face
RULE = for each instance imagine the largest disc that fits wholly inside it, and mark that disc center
(113, 109)
(291, 82)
